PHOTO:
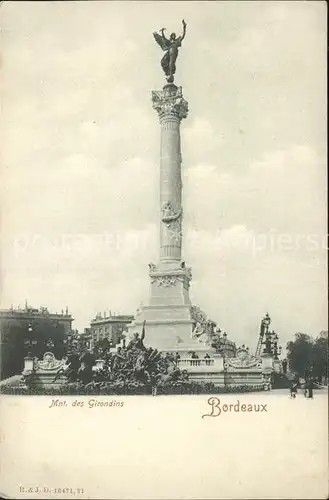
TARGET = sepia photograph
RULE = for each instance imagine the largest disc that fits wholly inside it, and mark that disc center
(164, 241)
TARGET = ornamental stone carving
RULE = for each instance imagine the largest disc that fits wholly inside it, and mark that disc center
(202, 327)
(170, 102)
(49, 362)
(197, 315)
(188, 271)
(175, 233)
(168, 280)
(201, 334)
(165, 281)
(243, 360)
(169, 214)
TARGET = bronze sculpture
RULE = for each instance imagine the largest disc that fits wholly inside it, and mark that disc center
(170, 45)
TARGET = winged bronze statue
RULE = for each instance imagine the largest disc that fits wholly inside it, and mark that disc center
(170, 46)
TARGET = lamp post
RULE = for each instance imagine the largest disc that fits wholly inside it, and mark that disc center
(276, 349)
(50, 344)
(29, 342)
(266, 321)
(74, 344)
(223, 352)
(68, 343)
(271, 344)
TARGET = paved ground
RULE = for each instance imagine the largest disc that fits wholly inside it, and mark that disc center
(300, 392)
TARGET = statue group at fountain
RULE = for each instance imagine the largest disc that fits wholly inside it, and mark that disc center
(130, 366)
(170, 46)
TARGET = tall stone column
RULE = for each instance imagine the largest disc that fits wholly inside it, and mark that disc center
(170, 279)
(168, 313)
(172, 108)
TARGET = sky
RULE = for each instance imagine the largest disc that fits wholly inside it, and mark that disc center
(80, 158)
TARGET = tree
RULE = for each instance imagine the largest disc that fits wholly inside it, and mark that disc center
(320, 359)
(309, 357)
(102, 345)
(300, 355)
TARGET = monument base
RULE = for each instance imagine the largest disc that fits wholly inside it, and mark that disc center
(169, 329)
(169, 320)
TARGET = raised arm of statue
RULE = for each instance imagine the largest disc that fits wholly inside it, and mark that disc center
(163, 35)
(184, 31)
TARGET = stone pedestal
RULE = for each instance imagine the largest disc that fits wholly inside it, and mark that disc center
(169, 322)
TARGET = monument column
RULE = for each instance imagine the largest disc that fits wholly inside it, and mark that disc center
(170, 279)
(168, 318)
(169, 315)
(172, 108)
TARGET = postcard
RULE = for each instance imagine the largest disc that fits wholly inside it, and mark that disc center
(164, 250)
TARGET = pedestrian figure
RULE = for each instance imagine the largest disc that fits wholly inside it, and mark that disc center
(293, 390)
(154, 384)
(309, 388)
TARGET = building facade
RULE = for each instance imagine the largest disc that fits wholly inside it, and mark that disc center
(84, 339)
(109, 327)
(31, 331)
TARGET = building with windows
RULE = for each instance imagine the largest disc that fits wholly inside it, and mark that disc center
(110, 327)
(32, 331)
(83, 339)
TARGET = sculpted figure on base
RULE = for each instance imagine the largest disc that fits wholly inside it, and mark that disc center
(136, 342)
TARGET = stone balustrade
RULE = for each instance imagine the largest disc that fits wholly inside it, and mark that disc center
(183, 363)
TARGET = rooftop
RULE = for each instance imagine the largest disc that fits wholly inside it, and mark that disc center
(32, 311)
(112, 318)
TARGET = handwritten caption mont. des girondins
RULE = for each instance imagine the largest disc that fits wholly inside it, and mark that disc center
(90, 403)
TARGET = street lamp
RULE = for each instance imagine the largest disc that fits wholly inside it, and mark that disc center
(29, 342)
(50, 344)
(276, 349)
(266, 321)
(68, 342)
(271, 342)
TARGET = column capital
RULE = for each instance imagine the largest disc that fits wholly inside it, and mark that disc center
(169, 102)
